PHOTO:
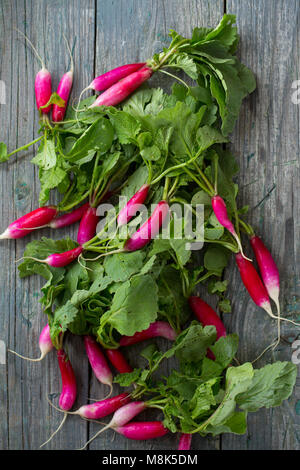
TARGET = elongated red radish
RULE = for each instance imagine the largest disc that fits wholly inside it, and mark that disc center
(106, 80)
(121, 90)
(59, 260)
(100, 409)
(142, 430)
(88, 225)
(98, 361)
(42, 84)
(69, 218)
(268, 269)
(122, 416)
(206, 315)
(64, 90)
(43, 90)
(220, 211)
(45, 345)
(29, 222)
(253, 284)
(133, 205)
(69, 389)
(118, 360)
(157, 328)
(185, 441)
(149, 229)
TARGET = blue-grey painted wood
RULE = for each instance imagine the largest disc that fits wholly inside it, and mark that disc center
(266, 142)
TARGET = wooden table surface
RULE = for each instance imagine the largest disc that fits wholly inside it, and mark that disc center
(104, 34)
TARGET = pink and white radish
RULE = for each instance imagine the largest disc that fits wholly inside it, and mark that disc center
(42, 84)
(121, 90)
(106, 80)
(98, 361)
(157, 328)
(100, 409)
(121, 416)
(45, 345)
(88, 225)
(69, 218)
(149, 229)
(64, 90)
(118, 361)
(220, 211)
(69, 389)
(59, 260)
(133, 205)
(254, 284)
(27, 223)
(185, 441)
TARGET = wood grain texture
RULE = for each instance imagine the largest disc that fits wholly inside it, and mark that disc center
(104, 34)
(266, 142)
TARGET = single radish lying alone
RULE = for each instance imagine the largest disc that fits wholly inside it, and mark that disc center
(121, 90)
(118, 360)
(158, 328)
(220, 211)
(88, 225)
(45, 345)
(149, 229)
(133, 205)
(121, 417)
(185, 441)
(29, 222)
(69, 218)
(64, 90)
(98, 361)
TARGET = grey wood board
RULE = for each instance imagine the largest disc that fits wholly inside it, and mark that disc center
(266, 142)
(128, 31)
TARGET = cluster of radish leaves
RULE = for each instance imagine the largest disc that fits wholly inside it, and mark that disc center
(207, 396)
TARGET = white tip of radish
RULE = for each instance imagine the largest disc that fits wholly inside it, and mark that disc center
(5, 235)
(240, 247)
(267, 307)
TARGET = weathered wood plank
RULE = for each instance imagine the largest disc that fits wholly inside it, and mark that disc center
(130, 31)
(266, 141)
(28, 419)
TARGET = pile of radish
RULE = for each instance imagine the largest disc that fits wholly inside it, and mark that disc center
(155, 149)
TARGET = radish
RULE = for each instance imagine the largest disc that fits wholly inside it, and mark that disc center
(121, 416)
(220, 211)
(106, 80)
(42, 84)
(157, 328)
(64, 90)
(149, 229)
(253, 284)
(133, 205)
(268, 269)
(88, 224)
(29, 222)
(45, 345)
(98, 361)
(59, 260)
(121, 90)
(206, 315)
(70, 218)
(101, 408)
(118, 360)
(185, 441)
(69, 388)
(143, 430)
